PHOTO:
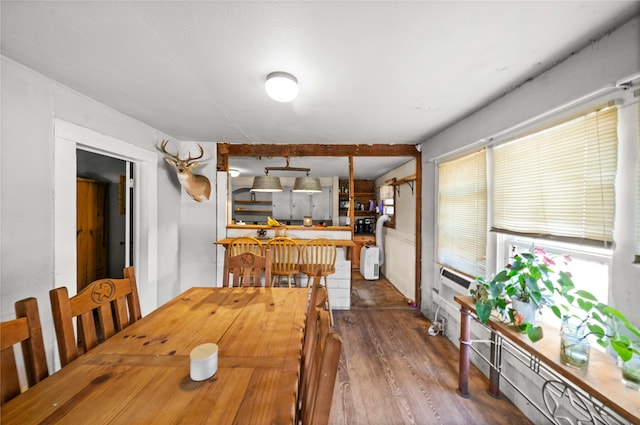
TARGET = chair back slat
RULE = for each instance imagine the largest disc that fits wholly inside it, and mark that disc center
(87, 330)
(104, 307)
(120, 313)
(26, 330)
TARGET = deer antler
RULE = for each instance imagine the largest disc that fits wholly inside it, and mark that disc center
(163, 146)
(197, 157)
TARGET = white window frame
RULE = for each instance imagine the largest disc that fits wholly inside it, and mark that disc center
(582, 252)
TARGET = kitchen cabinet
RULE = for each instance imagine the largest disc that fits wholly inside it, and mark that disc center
(294, 206)
(282, 204)
(300, 205)
(322, 205)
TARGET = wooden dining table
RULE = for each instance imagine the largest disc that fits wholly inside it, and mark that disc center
(141, 374)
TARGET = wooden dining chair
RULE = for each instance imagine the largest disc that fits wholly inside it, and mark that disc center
(26, 330)
(319, 253)
(245, 244)
(104, 307)
(317, 301)
(285, 256)
(247, 269)
(325, 358)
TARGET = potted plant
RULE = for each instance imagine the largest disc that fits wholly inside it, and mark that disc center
(521, 289)
(530, 278)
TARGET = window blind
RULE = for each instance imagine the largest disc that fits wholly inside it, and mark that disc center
(462, 213)
(559, 183)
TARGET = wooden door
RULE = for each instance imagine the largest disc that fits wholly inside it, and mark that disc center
(91, 232)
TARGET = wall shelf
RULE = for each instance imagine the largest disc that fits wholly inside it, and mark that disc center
(408, 180)
(243, 211)
(239, 201)
(251, 210)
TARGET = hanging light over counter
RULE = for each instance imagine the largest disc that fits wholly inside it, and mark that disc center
(269, 183)
(307, 184)
(266, 183)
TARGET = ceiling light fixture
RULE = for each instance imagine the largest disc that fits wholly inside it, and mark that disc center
(281, 86)
(307, 184)
(266, 183)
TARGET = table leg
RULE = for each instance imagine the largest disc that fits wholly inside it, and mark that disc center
(465, 340)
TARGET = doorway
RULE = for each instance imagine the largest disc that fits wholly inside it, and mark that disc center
(69, 138)
(103, 216)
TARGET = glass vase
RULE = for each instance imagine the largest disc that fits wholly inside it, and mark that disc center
(631, 372)
(574, 345)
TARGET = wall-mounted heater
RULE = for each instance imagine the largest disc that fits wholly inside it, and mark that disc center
(452, 284)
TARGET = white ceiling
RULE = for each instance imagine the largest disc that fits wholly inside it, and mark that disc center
(369, 72)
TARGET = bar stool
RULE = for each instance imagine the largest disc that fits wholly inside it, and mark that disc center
(285, 256)
(319, 254)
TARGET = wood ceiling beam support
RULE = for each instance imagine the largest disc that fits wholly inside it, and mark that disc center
(274, 150)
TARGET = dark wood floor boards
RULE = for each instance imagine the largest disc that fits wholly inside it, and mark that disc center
(393, 372)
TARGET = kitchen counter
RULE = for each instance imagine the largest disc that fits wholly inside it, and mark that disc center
(339, 283)
(344, 243)
(263, 226)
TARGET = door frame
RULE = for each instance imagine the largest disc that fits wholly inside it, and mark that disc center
(69, 137)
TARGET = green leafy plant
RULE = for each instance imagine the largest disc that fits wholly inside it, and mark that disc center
(607, 324)
(530, 279)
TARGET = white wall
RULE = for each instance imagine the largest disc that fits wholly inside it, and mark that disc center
(583, 78)
(400, 243)
(198, 228)
(30, 103)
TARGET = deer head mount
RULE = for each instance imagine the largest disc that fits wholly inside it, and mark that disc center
(197, 186)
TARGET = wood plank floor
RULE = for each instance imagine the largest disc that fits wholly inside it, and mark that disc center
(393, 372)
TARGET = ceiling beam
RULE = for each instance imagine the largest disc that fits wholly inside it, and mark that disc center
(275, 150)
